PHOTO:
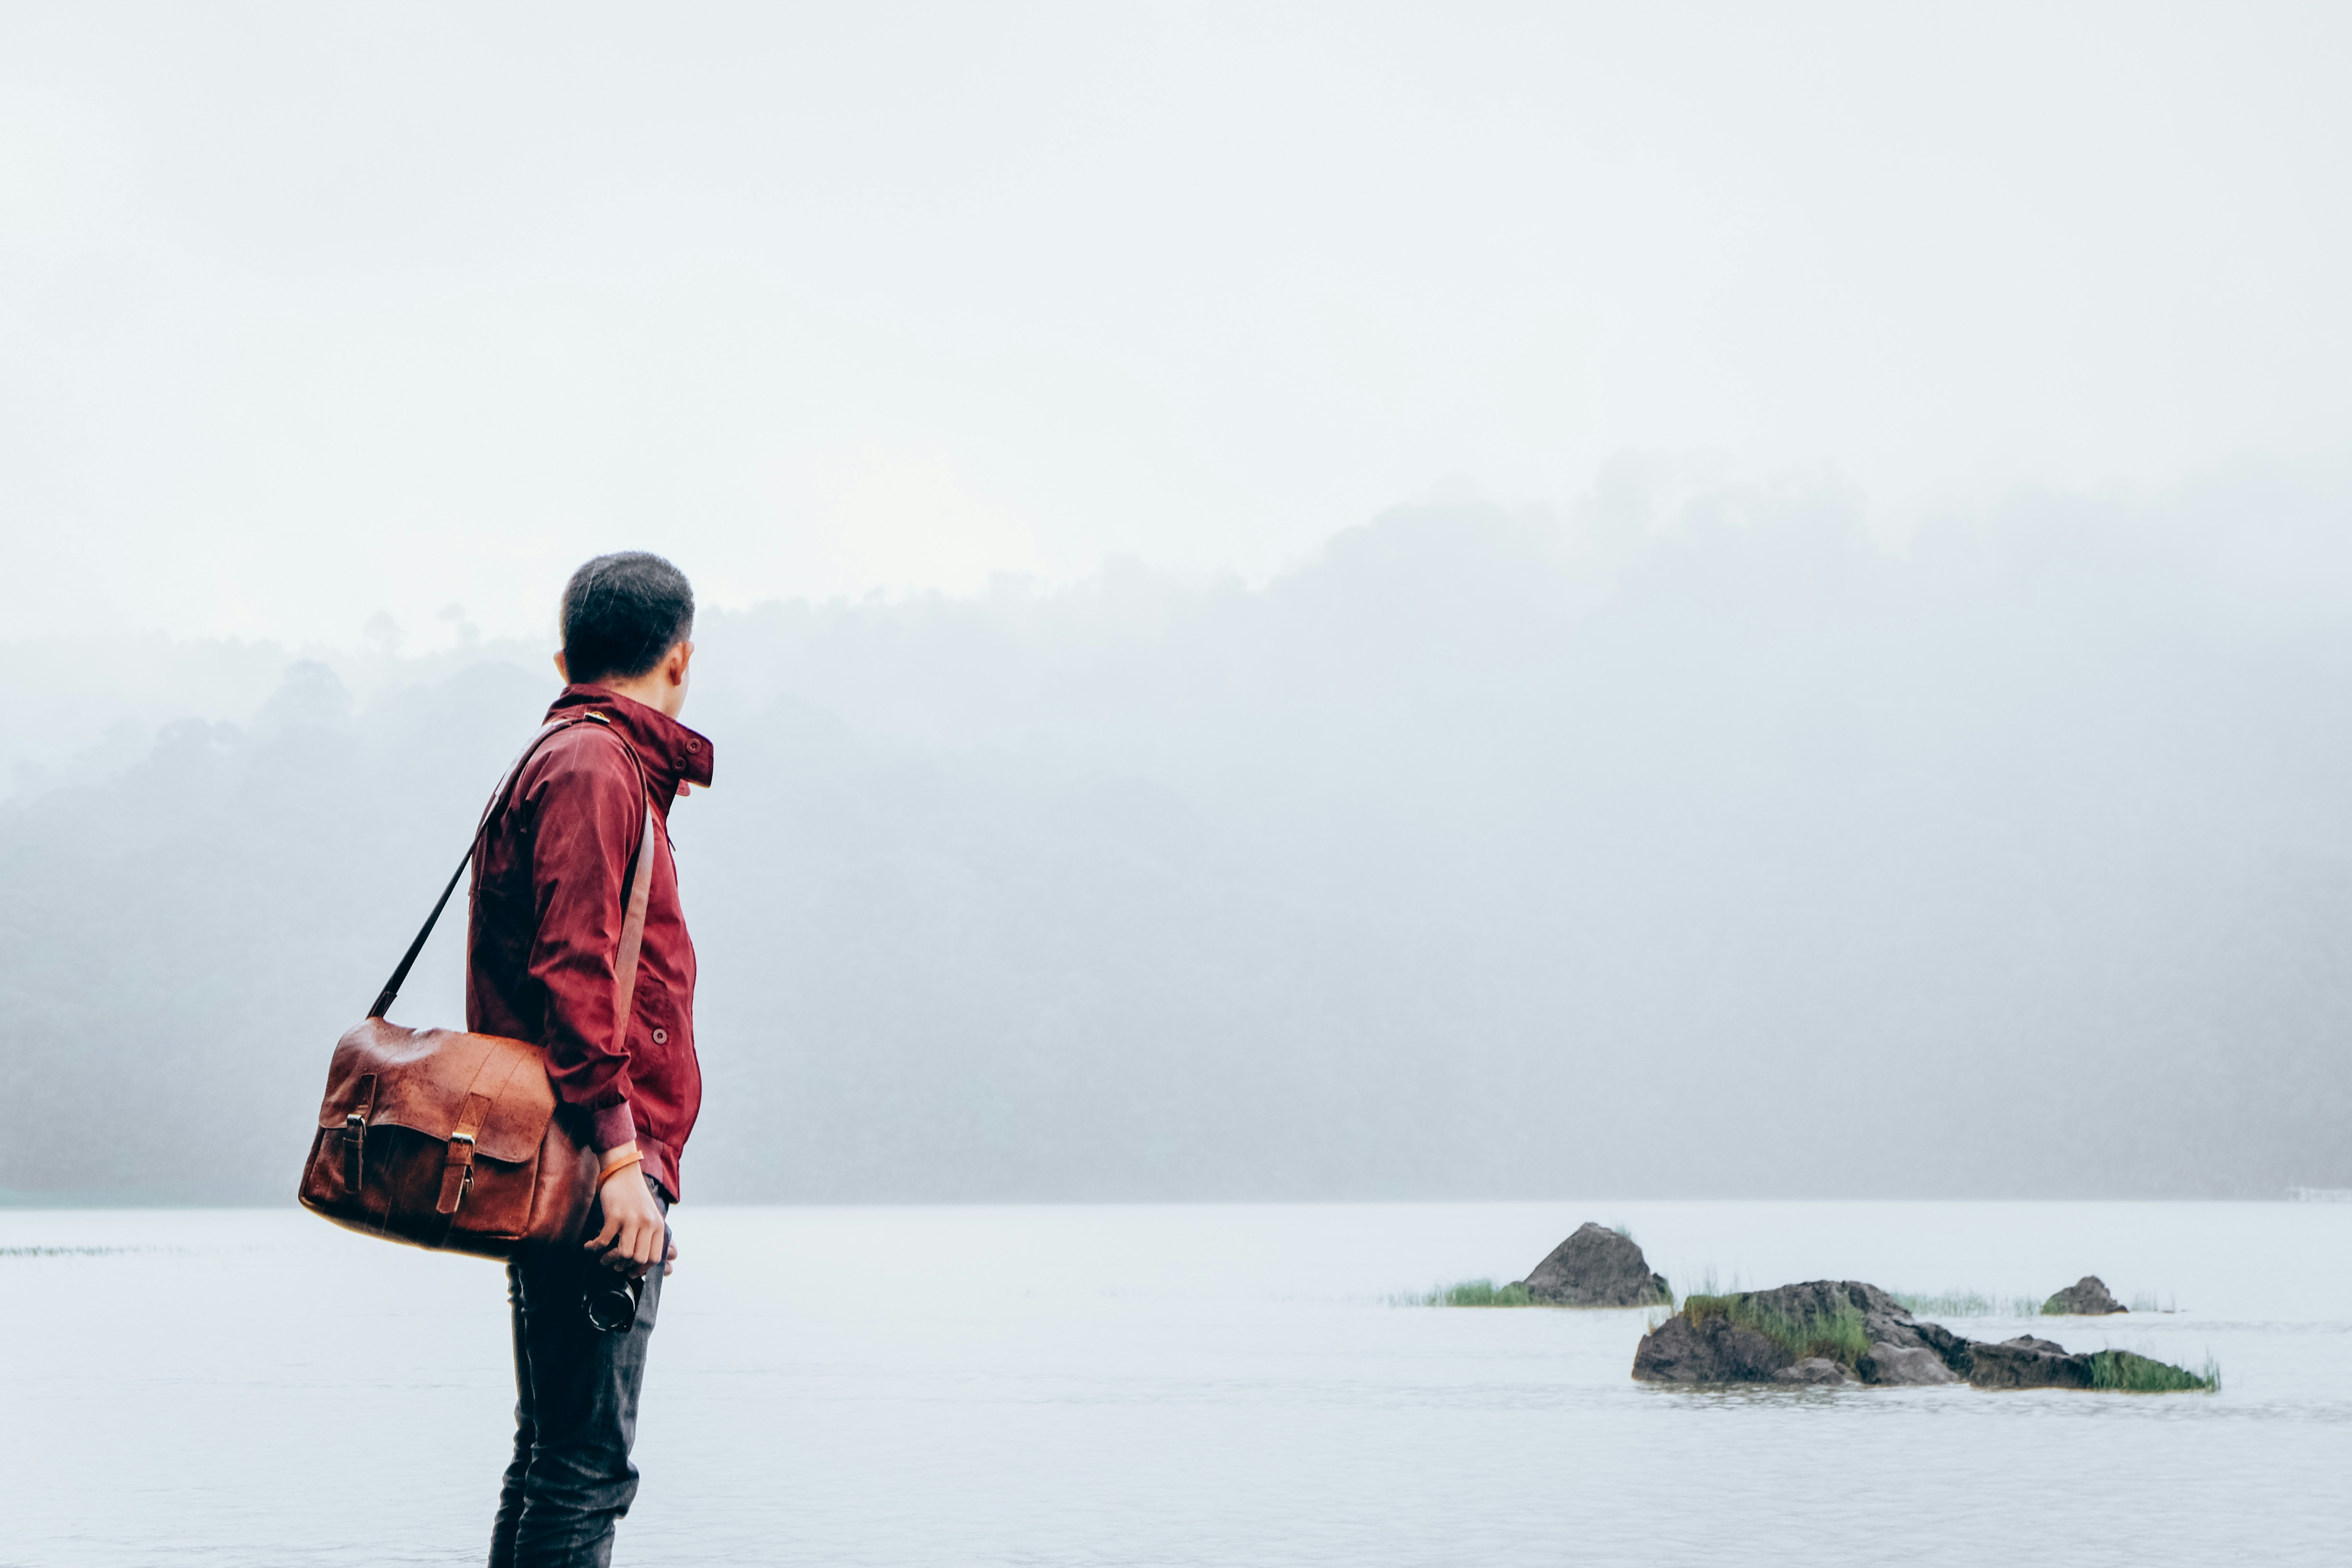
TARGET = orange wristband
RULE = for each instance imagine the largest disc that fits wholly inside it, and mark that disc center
(609, 1172)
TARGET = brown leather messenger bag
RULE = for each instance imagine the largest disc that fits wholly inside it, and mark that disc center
(451, 1141)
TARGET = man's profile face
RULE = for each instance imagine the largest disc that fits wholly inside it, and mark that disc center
(674, 695)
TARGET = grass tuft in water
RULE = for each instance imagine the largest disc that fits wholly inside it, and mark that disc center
(1838, 1334)
(2121, 1371)
(1968, 1304)
(1476, 1293)
(1708, 1284)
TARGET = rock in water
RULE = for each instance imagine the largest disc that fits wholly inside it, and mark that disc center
(2085, 1297)
(1597, 1268)
(1904, 1366)
(1803, 1333)
(2027, 1363)
(1756, 1336)
(1707, 1350)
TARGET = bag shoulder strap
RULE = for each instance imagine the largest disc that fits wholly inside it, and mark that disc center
(633, 935)
(641, 897)
(633, 922)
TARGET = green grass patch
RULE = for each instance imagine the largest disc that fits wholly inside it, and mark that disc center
(1968, 1304)
(1837, 1334)
(1477, 1293)
(1483, 1293)
(2121, 1371)
(1707, 1285)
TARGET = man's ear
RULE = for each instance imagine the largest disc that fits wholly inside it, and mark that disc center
(679, 657)
(562, 670)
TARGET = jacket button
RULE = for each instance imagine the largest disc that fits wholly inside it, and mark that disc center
(694, 745)
(661, 1037)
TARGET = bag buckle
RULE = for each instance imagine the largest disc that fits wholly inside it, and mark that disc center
(457, 1173)
(355, 1134)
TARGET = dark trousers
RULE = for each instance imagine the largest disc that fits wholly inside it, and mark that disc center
(575, 1418)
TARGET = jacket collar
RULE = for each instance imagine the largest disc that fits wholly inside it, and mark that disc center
(672, 753)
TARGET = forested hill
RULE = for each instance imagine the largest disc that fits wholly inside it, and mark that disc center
(1710, 851)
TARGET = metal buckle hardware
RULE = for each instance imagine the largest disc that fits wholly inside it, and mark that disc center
(354, 1149)
(456, 1172)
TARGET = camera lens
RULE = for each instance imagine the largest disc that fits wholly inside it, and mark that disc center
(613, 1308)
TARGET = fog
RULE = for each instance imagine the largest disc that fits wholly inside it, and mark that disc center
(1343, 602)
(1678, 843)
(311, 312)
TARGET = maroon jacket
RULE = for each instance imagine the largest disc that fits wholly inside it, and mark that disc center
(550, 879)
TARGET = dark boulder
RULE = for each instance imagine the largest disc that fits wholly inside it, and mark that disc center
(1597, 1268)
(2027, 1363)
(1828, 1300)
(1707, 1350)
(1891, 1366)
(1754, 1336)
(1827, 1330)
(1958, 1355)
(2085, 1297)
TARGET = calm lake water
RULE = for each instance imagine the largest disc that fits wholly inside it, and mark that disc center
(1212, 1384)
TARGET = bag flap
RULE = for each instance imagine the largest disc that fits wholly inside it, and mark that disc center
(424, 1077)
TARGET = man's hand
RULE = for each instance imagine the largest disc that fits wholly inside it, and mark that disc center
(635, 1236)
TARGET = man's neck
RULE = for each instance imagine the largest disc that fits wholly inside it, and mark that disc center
(652, 691)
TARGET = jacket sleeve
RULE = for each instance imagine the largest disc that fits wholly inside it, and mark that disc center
(587, 814)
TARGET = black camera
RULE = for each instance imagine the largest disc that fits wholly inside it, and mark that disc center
(611, 1302)
(613, 1305)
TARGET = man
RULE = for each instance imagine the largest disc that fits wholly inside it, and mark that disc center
(551, 887)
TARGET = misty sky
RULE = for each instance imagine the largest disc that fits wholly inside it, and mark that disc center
(308, 312)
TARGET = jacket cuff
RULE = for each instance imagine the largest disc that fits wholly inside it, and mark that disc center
(613, 1126)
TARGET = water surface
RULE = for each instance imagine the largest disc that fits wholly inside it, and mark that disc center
(1177, 1385)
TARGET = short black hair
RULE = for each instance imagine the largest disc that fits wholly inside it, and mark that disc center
(621, 614)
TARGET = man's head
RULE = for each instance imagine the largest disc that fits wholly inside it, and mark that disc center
(628, 622)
